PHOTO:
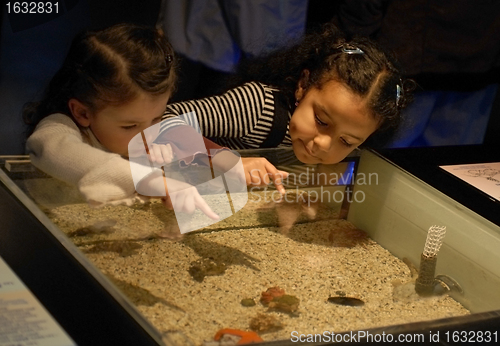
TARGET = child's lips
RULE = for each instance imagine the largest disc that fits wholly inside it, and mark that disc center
(308, 151)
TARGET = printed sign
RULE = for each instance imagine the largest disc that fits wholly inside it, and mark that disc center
(23, 320)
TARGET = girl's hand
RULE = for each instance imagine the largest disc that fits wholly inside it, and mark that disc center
(175, 194)
(187, 201)
(260, 172)
(161, 153)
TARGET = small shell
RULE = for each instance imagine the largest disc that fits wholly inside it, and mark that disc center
(346, 301)
(285, 303)
(248, 302)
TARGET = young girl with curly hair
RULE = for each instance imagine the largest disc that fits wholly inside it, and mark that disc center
(324, 97)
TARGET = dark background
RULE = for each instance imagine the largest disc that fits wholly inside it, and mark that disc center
(32, 47)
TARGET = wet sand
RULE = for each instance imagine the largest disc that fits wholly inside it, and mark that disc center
(320, 256)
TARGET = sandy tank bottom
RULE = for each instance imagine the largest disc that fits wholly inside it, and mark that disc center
(318, 257)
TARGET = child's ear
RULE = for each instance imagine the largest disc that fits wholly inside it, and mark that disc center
(80, 112)
(302, 85)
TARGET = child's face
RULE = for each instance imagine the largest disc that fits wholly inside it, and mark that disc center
(329, 123)
(115, 126)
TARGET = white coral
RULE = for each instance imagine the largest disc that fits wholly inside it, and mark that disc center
(434, 240)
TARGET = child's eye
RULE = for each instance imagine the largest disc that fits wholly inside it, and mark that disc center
(345, 143)
(318, 120)
(129, 127)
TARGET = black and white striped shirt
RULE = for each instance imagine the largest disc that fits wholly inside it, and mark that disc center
(241, 118)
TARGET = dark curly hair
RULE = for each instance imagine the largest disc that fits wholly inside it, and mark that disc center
(108, 67)
(372, 74)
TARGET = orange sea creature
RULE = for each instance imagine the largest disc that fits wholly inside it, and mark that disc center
(271, 293)
(247, 337)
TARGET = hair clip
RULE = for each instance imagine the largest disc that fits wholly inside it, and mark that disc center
(169, 58)
(350, 49)
(398, 94)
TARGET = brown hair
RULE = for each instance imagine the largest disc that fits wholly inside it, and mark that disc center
(108, 67)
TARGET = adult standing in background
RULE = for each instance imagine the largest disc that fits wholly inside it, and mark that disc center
(451, 48)
(211, 37)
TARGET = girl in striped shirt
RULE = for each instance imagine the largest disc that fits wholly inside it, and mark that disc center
(323, 97)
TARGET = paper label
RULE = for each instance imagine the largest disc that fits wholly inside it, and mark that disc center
(484, 176)
(23, 319)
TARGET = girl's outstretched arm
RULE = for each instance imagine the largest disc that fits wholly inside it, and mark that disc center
(256, 171)
(241, 118)
(58, 149)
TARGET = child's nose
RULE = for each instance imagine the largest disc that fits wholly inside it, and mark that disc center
(323, 142)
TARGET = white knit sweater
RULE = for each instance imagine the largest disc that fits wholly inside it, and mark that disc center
(59, 148)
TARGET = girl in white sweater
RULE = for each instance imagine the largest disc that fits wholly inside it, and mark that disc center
(113, 84)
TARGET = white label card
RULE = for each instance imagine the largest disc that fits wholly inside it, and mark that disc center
(484, 176)
(23, 319)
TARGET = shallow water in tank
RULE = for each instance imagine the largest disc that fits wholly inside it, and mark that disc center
(191, 286)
